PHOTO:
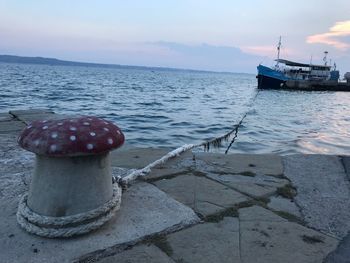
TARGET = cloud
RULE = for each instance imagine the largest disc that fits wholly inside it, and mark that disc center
(210, 57)
(336, 37)
(269, 51)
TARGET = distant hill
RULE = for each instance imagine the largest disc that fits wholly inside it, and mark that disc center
(48, 61)
(58, 62)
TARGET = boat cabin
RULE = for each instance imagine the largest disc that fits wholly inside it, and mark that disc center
(301, 71)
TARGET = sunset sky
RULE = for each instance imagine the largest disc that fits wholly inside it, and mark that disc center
(221, 35)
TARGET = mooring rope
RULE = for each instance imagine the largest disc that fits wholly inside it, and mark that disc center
(67, 226)
(241, 121)
(125, 181)
(82, 223)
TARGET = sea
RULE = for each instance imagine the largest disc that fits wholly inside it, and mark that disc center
(166, 108)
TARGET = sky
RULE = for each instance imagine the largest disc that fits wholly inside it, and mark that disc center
(221, 35)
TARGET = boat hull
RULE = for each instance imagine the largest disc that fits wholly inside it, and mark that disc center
(266, 82)
(269, 78)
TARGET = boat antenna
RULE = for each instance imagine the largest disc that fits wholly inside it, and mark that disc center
(325, 58)
(278, 51)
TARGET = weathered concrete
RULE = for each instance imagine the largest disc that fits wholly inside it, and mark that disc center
(139, 254)
(206, 243)
(27, 116)
(346, 163)
(11, 126)
(179, 165)
(63, 186)
(265, 238)
(341, 254)
(205, 196)
(145, 210)
(19, 113)
(6, 117)
(136, 157)
(16, 120)
(255, 186)
(323, 191)
(285, 205)
(258, 213)
(267, 164)
(206, 183)
(45, 116)
(13, 159)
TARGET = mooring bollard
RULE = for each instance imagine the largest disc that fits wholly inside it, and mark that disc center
(71, 191)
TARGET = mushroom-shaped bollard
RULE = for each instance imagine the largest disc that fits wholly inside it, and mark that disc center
(72, 182)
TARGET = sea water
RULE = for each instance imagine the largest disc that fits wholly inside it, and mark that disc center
(170, 108)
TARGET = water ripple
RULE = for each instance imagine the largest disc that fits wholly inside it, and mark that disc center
(165, 108)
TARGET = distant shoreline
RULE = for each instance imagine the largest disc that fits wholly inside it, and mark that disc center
(58, 62)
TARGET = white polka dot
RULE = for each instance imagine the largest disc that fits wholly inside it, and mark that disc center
(105, 122)
(45, 127)
(118, 132)
(44, 121)
(60, 123)
(89, 146)
(54, 135)
(72, 128)
(72, 138)
(106, 129)
(29, 126)
(86, 123)
(89, 119)
(92, 133)
(71, 120)
(110, 141)
(53, 147)
(36, 143)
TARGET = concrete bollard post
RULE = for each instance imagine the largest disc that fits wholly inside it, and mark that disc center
(72, 174)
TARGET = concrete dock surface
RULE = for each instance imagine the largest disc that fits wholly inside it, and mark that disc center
(197, 207)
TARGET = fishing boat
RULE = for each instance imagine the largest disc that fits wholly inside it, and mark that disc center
(286, 74)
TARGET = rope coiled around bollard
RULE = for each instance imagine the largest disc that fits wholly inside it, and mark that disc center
(67, 226)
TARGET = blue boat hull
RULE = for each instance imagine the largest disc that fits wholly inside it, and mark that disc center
(266, 82)
(269, 78)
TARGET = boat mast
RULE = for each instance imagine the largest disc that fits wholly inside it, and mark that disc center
(325, 58)
(278, 51)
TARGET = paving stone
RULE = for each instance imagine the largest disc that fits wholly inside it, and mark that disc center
(136, 157)
(139, 254)
(12, 156)
(11, 127)
(346, 163)
(28, 118)
(285, 205)
(178, 165)
(323, 191)
(201, 194)
(30, 111)
(281, 241)
(342, 253)
(5, 117)
(208, 242)
(255, 186)
(268, 164)
(145, 211)
(257, 213)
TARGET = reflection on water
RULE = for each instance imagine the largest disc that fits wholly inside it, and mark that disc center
(288, 122)
(164, 108)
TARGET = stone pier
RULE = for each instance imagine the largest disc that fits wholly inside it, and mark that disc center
(197, 207)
